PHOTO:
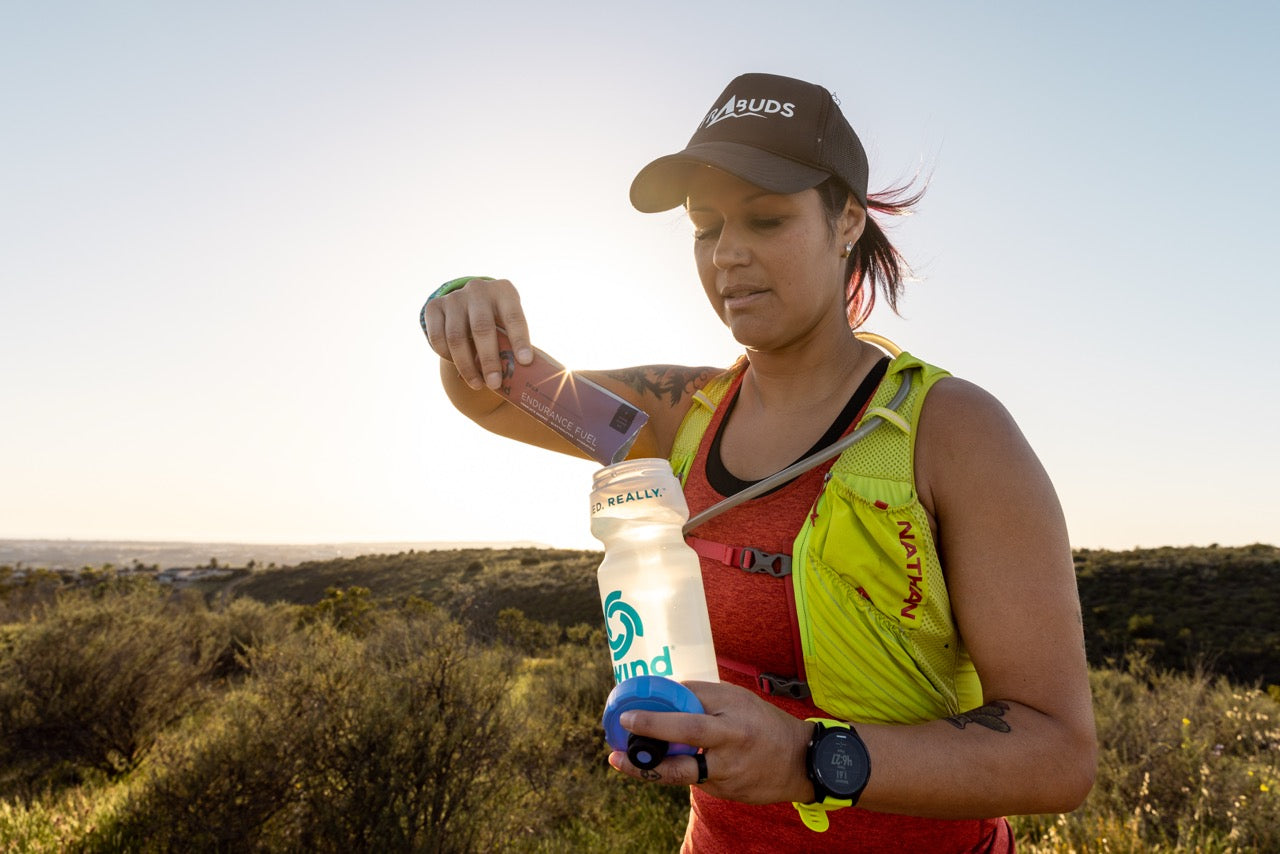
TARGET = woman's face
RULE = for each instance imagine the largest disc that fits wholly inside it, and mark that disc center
(770, 264)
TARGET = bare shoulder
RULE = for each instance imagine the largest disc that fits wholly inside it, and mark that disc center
(964, 432)
(973, 463)
(956, 406)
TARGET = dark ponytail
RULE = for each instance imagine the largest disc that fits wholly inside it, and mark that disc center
(874, 262)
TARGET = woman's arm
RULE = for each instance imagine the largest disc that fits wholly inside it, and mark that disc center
(1031, 748)
(462, 329)
(1004, 548)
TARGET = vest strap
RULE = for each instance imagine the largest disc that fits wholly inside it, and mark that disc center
(770, 684)
(746, 558)
(891, 417)
(750, 559)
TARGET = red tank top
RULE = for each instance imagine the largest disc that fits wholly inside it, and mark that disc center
(751, 625)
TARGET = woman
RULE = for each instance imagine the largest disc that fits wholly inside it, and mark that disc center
(917, 648)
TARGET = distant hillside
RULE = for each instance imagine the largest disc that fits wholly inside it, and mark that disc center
(550, 585)
(1177, 605)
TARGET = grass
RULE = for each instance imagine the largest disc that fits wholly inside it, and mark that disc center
(1188, 762)
(57, 821)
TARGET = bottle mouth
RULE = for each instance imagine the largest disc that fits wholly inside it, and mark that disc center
(641, 467)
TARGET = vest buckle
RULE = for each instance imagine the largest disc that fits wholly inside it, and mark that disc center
(775, 564)
(782, 686)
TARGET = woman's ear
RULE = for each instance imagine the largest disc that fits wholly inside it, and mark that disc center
(853, 219)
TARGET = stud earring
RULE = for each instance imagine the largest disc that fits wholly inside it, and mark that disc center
(848, 250)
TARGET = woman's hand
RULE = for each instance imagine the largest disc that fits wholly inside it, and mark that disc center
(462, 328)
(754, 751)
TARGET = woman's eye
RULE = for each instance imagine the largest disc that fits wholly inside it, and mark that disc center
(763, 223)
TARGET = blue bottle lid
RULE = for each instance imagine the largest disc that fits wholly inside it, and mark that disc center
(654, 694)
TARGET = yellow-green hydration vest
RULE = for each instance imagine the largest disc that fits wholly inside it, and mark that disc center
(878, 638)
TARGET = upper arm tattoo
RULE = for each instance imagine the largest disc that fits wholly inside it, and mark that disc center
(665, 382)
(990, 716)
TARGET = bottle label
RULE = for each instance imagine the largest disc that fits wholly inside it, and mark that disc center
(624, 625)
(627, 497)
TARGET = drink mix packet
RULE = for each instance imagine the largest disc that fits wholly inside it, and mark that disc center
(594, 419)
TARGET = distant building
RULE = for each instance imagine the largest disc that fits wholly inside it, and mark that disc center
(187, 576)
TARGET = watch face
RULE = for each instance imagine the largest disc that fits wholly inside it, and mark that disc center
(840, 763)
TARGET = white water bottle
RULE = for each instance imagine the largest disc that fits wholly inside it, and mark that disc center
(655, 609)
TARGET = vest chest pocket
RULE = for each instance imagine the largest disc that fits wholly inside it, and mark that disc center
(861, 664)
(898, 621)
(878, 547)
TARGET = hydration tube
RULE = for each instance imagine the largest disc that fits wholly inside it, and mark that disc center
(869, 424)
(880, 341)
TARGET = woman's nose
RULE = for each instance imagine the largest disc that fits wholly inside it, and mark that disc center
(731, 250)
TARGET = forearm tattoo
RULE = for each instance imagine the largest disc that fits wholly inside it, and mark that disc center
(990, 716)
(669, 382)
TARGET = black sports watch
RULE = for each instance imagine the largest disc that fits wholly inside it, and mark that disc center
(838, 765)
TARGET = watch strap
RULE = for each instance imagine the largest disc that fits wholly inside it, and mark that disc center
(814, 815)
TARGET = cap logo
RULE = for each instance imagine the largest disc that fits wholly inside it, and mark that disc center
(741, 108)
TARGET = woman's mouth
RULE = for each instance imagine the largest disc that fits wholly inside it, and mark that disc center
(738, 299)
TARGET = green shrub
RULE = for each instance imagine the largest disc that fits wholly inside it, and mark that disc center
(396, 741)
(350, 610)
(247, 624)
(19, 599)
(93, 680)
(577, 802)
(529, 636)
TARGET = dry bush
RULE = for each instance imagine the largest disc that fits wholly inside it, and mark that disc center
(247, 624)
(582, 804)
(1188, 762)
(351, 610)
(91, 681)
(530, 637)
(396, 741)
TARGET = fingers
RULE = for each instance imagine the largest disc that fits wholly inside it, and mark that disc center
(674, 727)
(703, 729)
(510, 317)
(483, 341)
(462, 327)
(681, 770)
(752, 751)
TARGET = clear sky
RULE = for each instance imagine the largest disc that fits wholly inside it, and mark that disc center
(218, 222)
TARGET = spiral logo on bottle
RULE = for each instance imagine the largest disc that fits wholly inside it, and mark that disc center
(628, 617)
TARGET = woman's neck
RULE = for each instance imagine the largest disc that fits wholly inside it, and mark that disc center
(813, 376)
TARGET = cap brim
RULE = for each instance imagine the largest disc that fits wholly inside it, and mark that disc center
(664, 183)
